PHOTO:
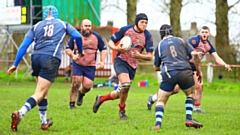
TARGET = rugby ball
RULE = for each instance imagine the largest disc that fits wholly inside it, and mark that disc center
(126, 42)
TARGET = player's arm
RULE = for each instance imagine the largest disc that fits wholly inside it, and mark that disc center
(147, 57)
(117, 36)
(157, 60)
(196, 56)
(21, 51)
(75, 35)
(70, 47)
(78, 38)
(220, 62)
(103, 52)
(197, 63)
(149, 50)
(69, 50)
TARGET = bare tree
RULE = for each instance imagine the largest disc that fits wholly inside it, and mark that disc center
(131, 11)
(131, 8)
(175, 10)
(222, 28)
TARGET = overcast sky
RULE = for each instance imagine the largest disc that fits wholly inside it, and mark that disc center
(202, 14)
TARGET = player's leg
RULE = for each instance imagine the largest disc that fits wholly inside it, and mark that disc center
(42, 108)
(159, 109)
(165, 89)
(188, 87)
(125, 74)
(153, 98)
(124, 80)
(49, 74)
(46, 76)
(113, 95)
(66, 76)
(76, 82)
(87, 82)
(77, 76)
(197, 95)
(100, 99)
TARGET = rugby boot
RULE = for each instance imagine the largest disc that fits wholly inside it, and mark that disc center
(192, 123)
(149, 104)
(15, 120)
(80, 98)
(200, 111)
(157, 127)
(97, 104)
(46, 126)
(122, 115)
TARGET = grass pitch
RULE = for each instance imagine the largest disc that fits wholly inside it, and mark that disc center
(221, 99)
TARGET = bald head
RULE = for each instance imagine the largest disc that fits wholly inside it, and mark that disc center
(86, 22)
(86, 27)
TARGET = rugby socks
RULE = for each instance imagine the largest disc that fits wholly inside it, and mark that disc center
(42, 107)
(154, 98)
(80, 94)
(66, 75)
(159, 111)
(30, 103)
(189, 108)
(196, 107)
(121, 107)
(105, 98)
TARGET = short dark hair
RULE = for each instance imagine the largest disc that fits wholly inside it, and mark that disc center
(205, 28)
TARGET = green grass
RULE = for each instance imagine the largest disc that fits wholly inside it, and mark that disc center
(221, 99)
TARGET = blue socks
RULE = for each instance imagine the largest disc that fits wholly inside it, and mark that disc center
(189, 108)
(159, 111)
(30, 103)
(42, 107)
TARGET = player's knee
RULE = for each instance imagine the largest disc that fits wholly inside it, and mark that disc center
(86, 89)
(125, 87)
(76, 84)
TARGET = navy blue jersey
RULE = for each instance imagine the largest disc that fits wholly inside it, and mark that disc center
(172, 54)
(48, 36)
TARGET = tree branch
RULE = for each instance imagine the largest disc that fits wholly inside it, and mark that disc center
(112, 5)
(234, 4)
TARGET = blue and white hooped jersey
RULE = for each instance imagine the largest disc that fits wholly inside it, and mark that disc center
(48, 36)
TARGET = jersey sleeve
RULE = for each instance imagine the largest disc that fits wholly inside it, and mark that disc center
(149, 42)
(30, 33)
(189, 48)
(194, 41)
(70, 44)
(212, 50)
(157, 58)
(119, 34)
(76, 35)
(22, 50)
(69, 28)
(101, 45)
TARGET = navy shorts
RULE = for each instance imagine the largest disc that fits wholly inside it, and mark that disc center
(184, 78)
(45, 66)
(122, 66)
(86, 71)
